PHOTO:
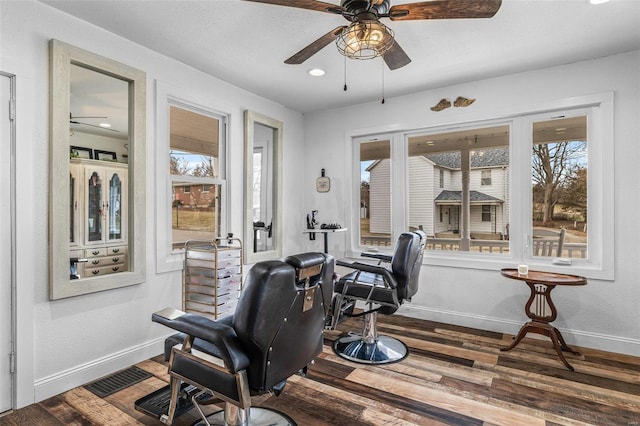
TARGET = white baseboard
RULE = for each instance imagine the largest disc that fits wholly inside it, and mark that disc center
(585, 339)
(65, 380)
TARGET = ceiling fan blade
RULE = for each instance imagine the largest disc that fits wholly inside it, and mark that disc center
(320, 6)
(314, 47)
(396, 57)
(445, 9)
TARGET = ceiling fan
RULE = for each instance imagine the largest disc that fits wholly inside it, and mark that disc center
(365, 15)
(73, 120)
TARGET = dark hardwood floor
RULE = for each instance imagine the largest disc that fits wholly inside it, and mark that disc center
(453, 376)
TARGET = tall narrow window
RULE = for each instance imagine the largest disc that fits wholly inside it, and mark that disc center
(485, 179)
(375, 193)
(194, 167)
(486, 213)
(559, 187)
(470, 187)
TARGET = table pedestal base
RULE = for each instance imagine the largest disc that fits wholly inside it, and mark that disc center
(546, 330)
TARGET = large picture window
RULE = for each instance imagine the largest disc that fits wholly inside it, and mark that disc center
(530, 188)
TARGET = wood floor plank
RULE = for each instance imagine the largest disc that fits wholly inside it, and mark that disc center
(378, 393)
(158, 369)
(372, 408)
(96, 409)
(588, 393)
(64, 412)
(563, 404)
(31, 415)
(471, 408)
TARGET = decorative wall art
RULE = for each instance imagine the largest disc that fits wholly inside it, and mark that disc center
(460, 102)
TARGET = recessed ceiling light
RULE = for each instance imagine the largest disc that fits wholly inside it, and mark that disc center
(598, 1)
(106, 125)
(316, 72)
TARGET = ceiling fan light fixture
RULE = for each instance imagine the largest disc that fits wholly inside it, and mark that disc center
(365, 39)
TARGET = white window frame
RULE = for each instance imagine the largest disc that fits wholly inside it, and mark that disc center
(167, 95)
(601, 209)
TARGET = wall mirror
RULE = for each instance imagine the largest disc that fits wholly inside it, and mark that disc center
(263, 187)
(97, 166)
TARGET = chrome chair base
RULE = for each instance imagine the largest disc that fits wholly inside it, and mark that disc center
(382, 349)
(258, 417)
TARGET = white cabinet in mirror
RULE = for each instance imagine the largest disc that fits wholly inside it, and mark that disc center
(97, 173)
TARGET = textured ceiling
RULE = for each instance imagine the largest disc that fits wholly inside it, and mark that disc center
(245, 43)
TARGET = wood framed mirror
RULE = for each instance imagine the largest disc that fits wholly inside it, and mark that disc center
(263, 187)
(97, 173)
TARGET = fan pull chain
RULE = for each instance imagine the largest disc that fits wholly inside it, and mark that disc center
(345, 74)
(382, 102)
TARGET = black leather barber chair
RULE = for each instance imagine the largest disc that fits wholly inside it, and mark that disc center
(275, 332)
(382, 290)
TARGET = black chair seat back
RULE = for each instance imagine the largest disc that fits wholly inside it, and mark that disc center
(279, 337)
(406, 263)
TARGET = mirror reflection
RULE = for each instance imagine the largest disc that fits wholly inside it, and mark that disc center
(98, 169)
(97, 172)
(263, 142)
(262, 187)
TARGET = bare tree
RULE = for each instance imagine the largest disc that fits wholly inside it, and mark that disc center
(553, 164)
(574, 191)
(177, 166)
(205, 168)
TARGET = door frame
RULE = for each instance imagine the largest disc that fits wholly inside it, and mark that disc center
(12, 214)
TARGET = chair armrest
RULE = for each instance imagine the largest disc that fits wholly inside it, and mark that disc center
(374, 269)
(221, 336)
(381, 257)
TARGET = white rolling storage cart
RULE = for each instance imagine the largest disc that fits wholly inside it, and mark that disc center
(212, 276)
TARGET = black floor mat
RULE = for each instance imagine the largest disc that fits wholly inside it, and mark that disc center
(117, 381)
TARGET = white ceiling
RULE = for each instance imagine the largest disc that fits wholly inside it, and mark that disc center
(245, 43)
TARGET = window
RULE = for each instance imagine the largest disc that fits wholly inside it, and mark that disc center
(194, 164)
(476, 217)
(529, 189)
(191, 145)
(486, 213)
(375, 192)
(559, 187)
(485, 179)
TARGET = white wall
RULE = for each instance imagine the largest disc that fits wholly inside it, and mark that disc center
(604, 314)
(66, 343)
